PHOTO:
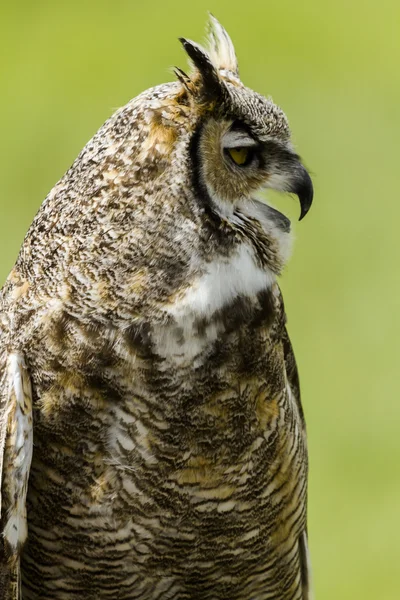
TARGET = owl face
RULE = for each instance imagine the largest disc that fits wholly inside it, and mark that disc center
(242, 142)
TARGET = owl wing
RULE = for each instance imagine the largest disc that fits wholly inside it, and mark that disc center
(15, 461)
(293, 380)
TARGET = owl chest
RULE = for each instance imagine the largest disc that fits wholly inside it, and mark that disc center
(202, 479)
(175, 447)
(187, 435)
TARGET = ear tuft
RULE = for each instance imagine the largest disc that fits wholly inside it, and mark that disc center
(211, 85)
(222, 51)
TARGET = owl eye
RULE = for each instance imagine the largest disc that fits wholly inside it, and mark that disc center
(241, 156)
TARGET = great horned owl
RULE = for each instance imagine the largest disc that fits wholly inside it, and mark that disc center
(152, 437)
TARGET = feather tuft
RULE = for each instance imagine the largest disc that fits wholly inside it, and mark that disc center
(211, 87)
(221, 48)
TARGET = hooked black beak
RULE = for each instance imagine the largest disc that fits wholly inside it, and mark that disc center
(302, 186)
(293, 176)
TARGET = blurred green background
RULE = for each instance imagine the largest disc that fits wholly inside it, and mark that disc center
(334, 68)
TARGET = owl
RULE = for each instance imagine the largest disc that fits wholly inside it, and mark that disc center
(152, 438)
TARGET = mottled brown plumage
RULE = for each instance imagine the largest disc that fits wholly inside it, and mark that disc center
(143, 332)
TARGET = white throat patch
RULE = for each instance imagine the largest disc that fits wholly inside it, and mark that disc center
(222, 281)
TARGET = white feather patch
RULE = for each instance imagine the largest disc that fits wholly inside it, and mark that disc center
(18, 450)
(223, 280)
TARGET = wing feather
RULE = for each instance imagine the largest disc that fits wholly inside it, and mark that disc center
(305, 565)
(16, 444)
(294, 383)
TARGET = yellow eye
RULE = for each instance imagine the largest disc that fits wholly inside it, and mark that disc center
(239, 155)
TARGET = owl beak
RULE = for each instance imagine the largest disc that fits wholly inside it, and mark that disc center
(292, 176)
(302, 186)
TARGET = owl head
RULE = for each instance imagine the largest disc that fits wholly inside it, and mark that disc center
(166, 186)
(242, 140)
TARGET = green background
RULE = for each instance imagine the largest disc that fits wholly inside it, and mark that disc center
(334, 68)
